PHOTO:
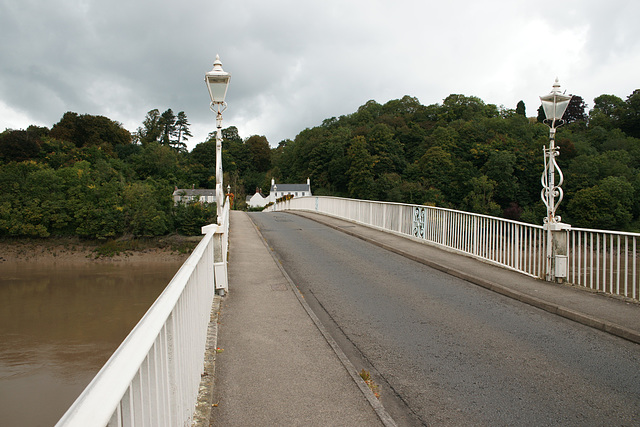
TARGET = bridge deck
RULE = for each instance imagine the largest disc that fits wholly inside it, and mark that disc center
(607, 313)
(279, 367)
(275, 366)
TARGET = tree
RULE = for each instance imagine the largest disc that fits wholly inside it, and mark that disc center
(575, 110)
(360, 173)
(368, 112)
(86, 130)
(259, 153)
(144, 213)
(605, 112)
(460, 107)
(401, 107)
(189, 218)
(155, 160)
(630, 115)
(182, 128)
(541, 116)
(231, 134)
(480, 199)
(520, 109)
(607, 205)
(499, 168)
(151, 128)
(168, 128)
(18, 145)
(387, 149)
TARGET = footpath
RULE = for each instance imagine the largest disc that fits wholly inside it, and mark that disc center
(277, 365)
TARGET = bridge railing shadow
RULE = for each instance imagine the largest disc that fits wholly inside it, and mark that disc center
(153, 377)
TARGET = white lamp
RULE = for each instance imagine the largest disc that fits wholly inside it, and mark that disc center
(555, 104)
(217, 81)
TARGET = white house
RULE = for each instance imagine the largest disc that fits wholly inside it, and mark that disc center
(186, 195)
(257, 200)
(297, 190)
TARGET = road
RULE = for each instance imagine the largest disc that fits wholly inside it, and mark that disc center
(447, 352)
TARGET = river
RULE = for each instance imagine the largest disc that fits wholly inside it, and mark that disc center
(59, 324)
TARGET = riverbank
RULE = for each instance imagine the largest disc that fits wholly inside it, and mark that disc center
(74, 250)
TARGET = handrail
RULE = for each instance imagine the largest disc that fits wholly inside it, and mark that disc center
(507, 243)
(152, 378)
(602, 260)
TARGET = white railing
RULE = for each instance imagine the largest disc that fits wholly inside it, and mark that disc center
(152, 379)
(511, 244)
(605, 261)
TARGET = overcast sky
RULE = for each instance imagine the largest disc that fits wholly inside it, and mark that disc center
(295, 63)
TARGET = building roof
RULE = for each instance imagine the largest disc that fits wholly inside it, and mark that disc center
(291, 187)
(189, 192)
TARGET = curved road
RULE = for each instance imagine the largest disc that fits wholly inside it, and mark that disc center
(446, 352)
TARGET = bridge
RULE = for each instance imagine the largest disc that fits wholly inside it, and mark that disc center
(453, 318)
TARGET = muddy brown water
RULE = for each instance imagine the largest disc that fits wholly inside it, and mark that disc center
(59, 324)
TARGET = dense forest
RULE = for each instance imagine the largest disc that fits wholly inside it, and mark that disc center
(87, 176)
(472, 156)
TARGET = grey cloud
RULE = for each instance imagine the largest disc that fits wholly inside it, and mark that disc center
(295, 63)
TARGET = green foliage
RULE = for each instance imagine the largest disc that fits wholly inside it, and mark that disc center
(145, 209)
(576, 110)
(88, 177)
(607, 205)
(469, 155)
(167, 129)
(189, 218)
(629, 115)
(20, 145)
(360, 172)
(481, 197)
(87, 130)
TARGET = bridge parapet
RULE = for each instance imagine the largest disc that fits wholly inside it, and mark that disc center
(601, 260)
(153, 377)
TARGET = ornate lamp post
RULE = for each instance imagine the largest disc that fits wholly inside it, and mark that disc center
(554, 105)
(217, 81)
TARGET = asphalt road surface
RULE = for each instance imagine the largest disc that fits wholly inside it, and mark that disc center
(447, 352)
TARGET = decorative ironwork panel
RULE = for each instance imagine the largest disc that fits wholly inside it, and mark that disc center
(419, 216)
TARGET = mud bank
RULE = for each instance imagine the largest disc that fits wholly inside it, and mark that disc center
(76, 251)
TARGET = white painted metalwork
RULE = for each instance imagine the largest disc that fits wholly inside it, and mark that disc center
(511, 244)
(604, 261)
(152, 379)
(221, 248)
(217, 81)
(554, 105)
